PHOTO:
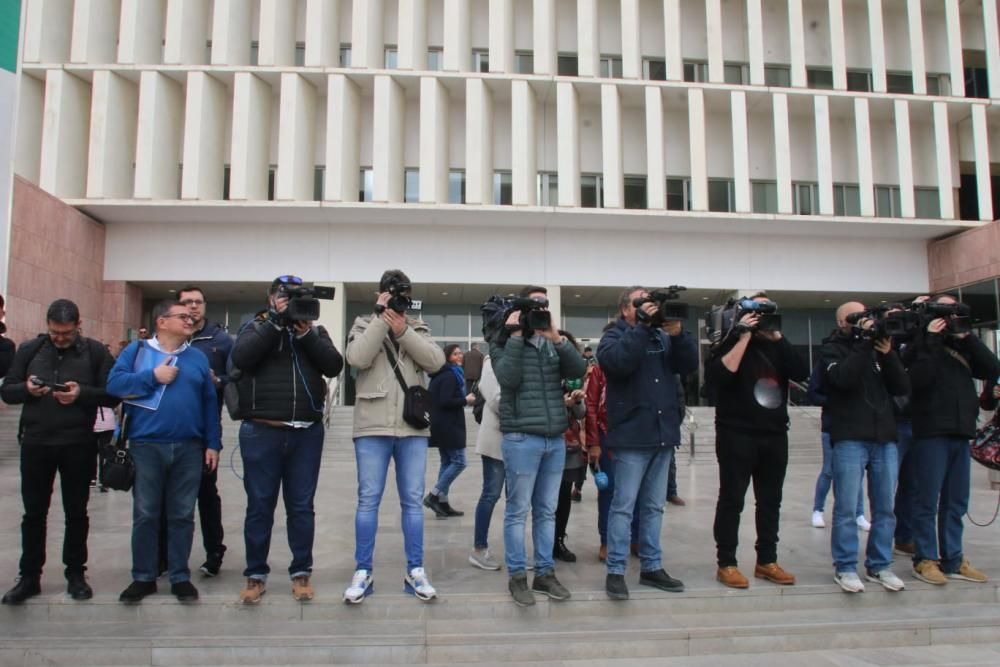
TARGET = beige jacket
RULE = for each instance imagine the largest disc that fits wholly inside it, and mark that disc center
(489, 438)
(378, 410)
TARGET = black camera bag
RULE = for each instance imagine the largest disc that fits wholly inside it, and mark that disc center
(117, 467)
(416, 399)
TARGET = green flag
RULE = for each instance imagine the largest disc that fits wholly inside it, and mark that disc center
(10, 26)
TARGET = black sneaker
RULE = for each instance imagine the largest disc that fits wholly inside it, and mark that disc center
(449, 510)
(660, 579)
(184, 591)
(615, 587)
(431, 501)
(576, 495)
(136, 591)
(518, 585)
(77, 587)
(212, 565)
(547, 584)
(26, 587)
(561, 552)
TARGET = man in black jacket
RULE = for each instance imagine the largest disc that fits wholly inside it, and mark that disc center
(862, 375)
(750, 371)
(6, 345)
(944, 409)
(60, 379)
(281, 365)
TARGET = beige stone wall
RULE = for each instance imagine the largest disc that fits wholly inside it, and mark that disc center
(969, 257)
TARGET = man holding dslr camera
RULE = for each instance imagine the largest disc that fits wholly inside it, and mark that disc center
(279, 363)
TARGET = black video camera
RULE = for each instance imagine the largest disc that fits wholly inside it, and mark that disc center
(958, 315)
(534, 315)
(399, 299)
(721, 321)
(303, 302)
(666, 310)
(886, 323)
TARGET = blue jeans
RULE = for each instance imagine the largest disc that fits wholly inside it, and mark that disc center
(943, 471)
(641, 488)
(167, 477)
(493, 476)
(850, 459)
(373, 454)
(533, 465)
(285, 460)
(906, 486)
(452, 465)
(604, 498)
(826, 478)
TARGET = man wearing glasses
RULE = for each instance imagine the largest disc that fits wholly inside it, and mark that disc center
(60, 379)
(172, 421)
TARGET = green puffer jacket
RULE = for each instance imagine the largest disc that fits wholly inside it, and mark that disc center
(531, 395)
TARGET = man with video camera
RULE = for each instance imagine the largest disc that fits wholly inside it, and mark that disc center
(640, 354)
(530, 366)
(943, 361)
(279, 363)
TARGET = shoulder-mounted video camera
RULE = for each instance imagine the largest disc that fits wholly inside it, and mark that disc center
(303, 302)
(957, 315)
(886, 323)
(497, 309)
(399, 299)
(723, 320)
(668, 308)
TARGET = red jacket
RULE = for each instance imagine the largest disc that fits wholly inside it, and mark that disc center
(595, 390)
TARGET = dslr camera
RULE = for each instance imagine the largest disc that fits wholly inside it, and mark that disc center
(723, 320)
(667, 310)
(958, 315)
(303, 302)
(399, 299)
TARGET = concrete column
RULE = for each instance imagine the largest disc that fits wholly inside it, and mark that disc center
(501, 35)
(755, 42)
(741, 151)
(457, 45)
(915, 21)
(113, 115)
(866, 181)
(876, 37)
(412, 40)
(992, 39)
(611, 147)
(296, 139)
(713, 22)
(186, 32)
(204, 137)
(673, 30)
(478, 142)
(904, 158)
(434, 148)
(140, 32)
(568, 143)
(699, 161)
(838, 50)
(631, 39)
(588, 38)
(343, 145)
(158, 137)
(524, 167)
(782, 154)
(554, 294)
(388, 141)
(276, 45)
(980, 142)
(48, 30)
(95, 31)
(824, 154)
(323, 33)
(656, 174)
(942, 141)
(251, 140)
(953, 25)
(544, 34)
(367, 38)
(231, 33)
(796, 43)
(28, 133)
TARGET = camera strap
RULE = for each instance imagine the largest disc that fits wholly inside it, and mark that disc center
(958, 357)
(394, 363)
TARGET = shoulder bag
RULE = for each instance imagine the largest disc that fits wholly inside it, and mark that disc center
(416, 399)
(117, 467)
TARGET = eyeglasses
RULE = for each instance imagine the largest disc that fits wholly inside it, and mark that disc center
(192, 302)
(63, 334)
(288, 280)
(180, 316)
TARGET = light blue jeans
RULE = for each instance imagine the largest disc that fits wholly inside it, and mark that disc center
(452, 465)
(640, 488)
(850, 460)
(825, 478)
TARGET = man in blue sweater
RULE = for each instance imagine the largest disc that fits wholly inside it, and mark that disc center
(174, 432)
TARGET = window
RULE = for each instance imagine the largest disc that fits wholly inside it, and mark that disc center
(678, 194)
(938, 84)
(635, 192)
(480, 60)
(391, 57)
(300, 54)
(318, 174)
(225, 181)
(737, 74)
(765, 196)
(721, 195)
(345, 55)
(254, 53)
(611, 67)
(846, 199)
(411, 186)
(695, 71)
(568, 65)
(272, 171)
(435, 59)
(859, 80)
(779, 76)
(591, 191)
(456, 187)
(899, 83)
(654, 69)
(367, 184)
(976, 82)
(548, 189)
(502, 188)
(887, 201)
(524, 62)
(927, 203)
(805, 198)
(818, 77)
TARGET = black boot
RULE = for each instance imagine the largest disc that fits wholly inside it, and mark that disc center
(432, 502)
(449, 510)
(560, 552)
(77, 586)
(25, 588)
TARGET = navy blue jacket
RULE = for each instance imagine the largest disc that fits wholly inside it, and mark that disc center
(639, 363)
(215, 344)
(447, 411)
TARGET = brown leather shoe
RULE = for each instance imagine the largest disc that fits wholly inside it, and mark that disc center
(732, 577)
(676, 500)
(602, 554)
(253, 591)
(302, 590)
(773, 573)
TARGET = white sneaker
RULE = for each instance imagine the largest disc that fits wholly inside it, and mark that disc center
(886, 577)
(362, 585)
(849, 581)
(818, 521)
(484, 560)
(416, 583)
(863, 523)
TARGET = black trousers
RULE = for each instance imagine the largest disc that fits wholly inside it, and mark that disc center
(76, 465)
(744, 458)
(565, 504)
(209, 515)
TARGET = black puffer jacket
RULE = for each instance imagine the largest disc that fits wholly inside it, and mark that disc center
(280, 375)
